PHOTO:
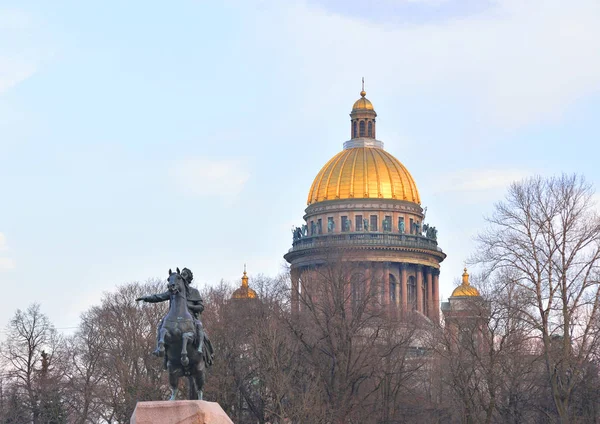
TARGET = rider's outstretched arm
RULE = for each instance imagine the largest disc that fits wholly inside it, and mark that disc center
(155, 298)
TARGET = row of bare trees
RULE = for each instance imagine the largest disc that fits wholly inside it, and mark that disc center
(541, 256)
(95, 375)
(339, 361)
(527, 351)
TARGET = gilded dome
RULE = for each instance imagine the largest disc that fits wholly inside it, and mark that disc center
(363, 173)
(465, 289)
(362, 104)
(244, 292)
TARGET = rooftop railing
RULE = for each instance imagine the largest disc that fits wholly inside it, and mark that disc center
(365, 239)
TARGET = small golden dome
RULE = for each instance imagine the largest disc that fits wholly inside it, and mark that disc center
(363, 173)
(244, 292)
(362, 104)
(465, 289)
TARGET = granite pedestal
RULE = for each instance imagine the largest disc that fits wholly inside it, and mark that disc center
(179, 412)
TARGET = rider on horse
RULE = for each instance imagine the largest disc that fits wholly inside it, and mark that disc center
(195, 305)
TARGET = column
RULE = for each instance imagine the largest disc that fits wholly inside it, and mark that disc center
(386, 284)
(307, 287)
(295, 275)
(436, 295)
(397, 288)
(368, 277)
(420, 288)
(348, 291)
(378, 281)
(429, 292)
(403, 284)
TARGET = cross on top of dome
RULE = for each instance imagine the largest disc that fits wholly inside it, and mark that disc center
(363, 104)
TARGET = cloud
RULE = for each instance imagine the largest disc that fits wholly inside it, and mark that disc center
(513, 64)
(480, 179)
(5, 263)
(224, 178)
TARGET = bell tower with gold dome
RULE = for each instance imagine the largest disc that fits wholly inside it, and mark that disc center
(244, 291)
(362, 117)
(466, 314)
(365, 203)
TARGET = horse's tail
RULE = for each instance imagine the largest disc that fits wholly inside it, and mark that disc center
(208, 352)
(192, 389)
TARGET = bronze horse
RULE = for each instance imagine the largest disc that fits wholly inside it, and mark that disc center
(176, 335)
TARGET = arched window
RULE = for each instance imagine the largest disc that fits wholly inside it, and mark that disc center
(370, 131)
(362, 128)
(354, 130)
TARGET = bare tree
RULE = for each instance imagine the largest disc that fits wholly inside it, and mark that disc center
(345, 337)
(547, 233)
(226, 335)
(256, 375)
(488, 367)
(32, 353)
(284, 381)
(87, 373)
(402, 372)
(12, 405)
(113, 367)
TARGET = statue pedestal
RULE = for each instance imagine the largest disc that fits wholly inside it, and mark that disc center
(179, 412)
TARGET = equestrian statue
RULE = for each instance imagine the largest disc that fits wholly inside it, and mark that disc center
(181, 329)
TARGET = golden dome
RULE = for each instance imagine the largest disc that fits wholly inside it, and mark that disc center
(244, 292)
(363, 172)
(363, 103)
(465, 289)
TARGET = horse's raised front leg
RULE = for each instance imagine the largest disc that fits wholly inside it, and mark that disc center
(161, 341)
(185, 338)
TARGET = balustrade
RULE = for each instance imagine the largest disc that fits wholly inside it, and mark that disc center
(366, 239)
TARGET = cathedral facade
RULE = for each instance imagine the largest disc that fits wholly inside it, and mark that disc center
(365, 203)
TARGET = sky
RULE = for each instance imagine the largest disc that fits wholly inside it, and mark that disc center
(141, 136)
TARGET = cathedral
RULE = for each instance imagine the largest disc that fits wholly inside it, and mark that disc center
(365, 203)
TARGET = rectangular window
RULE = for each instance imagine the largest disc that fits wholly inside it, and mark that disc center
(319, 226)
(387, 223)
(358, 226)
(345, 224)
(412, 226)
(373, 224)
(313, 228)
(330, 224)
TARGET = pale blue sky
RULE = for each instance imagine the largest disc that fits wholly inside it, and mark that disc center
(138, 136)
